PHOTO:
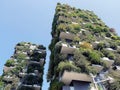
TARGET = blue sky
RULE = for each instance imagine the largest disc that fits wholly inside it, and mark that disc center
(31, 21)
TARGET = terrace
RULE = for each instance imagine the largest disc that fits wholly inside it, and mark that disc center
(8, 78)
(75, 81)
(66, 36)
(67, 49)
(7, 69)
(68, 77)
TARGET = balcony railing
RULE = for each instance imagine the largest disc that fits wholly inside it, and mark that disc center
(68, 49)
(8, 78)
(66, 35)
(68, 77)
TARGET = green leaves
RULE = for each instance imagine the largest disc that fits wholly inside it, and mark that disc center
(67, 66)
(94, 57)
(115, 85)
(10, 63)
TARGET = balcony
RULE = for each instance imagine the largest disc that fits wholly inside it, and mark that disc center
(76, 81)
(33, 47)
(8, 78)
(98, 68)
(78, 86)
(68, 77)
(33, 67)
(31, 79)
(33, 62)
(33, 87)
(66, 35)
(39, 51)
(67, 49)
(21, 74)
(7, 69)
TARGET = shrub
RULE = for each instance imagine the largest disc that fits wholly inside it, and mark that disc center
(91, 70)
(56, 85)
(108, 34)
(76, 39)
(113, 45)
(115, 85)
(94, 57)
(10, 63)
(111, 56)
(74, 28)
(86, 45)
(1, 83)
(67, 66)
(114, 37)
(20, 56)
(62, 27)
(80, 61)
(98, 29)
(89, 26)
(100, 46)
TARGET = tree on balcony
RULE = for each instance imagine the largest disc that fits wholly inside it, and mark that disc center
(80, 61)
(10, 63)
(94, 57)
(67, 66)
(86, 45)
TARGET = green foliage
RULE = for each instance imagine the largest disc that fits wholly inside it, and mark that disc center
(76, 39)
(108, 34)
(92, 70)
(8, 87)
(1, 83)
(115, 85)
(61, 27)
(100, 46)
(117, 60)
(21, 44)
(20, 57)
(10, 63)
(86, 45)
(98, 29)
(108, 54)
(111, 56)
(115, 37)
(56, 85)
(113, 45)
(53, 42)
(74, 28)
(80, 61)
(93, 30)
(89, 26)
(94, 57)
(67, 66)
